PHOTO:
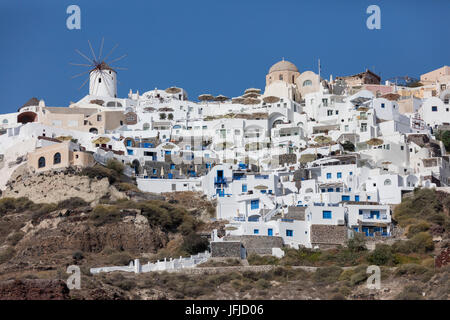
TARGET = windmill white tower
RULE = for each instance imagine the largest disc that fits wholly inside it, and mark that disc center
(102, 76)
(103, 81)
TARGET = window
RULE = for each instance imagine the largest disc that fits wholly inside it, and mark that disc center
(328, 175)
(329, 112)
(244, 188)
(99, 80)
(382, 105)
(5, 121)
(41, 162)
(338, 189)
(307, 83)
(99, 118)
(172, 166)
(345, 198)
(326, 214)
(434, 108)
(339, 175)
(387, 182)
(281, 77)
(402, 148)
(356, 198)
(57, 158)
(255, 231)
(368, 197)
(289, 233)
(254, 204)
(325, 103)
(322, 190)
(330, 190)
(350, 173)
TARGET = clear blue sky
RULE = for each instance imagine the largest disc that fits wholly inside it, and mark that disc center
(219, 47)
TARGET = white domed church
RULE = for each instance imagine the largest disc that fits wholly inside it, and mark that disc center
(285, 81)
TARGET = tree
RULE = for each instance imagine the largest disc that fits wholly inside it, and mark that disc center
(162, 116)
(444, 136)
(170, 116)
(348, 146)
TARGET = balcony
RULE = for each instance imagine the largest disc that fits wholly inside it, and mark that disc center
(220, 181)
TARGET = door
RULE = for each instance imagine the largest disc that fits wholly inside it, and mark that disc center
(357, 198)
(270, 232)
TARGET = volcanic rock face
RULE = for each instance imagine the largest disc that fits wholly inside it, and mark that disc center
(55, 186)
(34, 290)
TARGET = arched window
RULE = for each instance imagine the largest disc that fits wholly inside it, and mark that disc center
(57, 158)
(281, 77)
(5, 121)
(41, 162)
(387, 182)
(307, 83)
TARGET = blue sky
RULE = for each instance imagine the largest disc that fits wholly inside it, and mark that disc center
(218, 47)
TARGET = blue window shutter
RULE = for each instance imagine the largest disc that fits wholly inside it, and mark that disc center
(326, 214)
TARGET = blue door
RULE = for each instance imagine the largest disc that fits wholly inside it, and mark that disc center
(270, 232)
(357, 198)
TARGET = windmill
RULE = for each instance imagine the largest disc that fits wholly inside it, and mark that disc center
(102, 74)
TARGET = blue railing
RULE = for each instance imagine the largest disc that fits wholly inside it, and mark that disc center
(220, 180)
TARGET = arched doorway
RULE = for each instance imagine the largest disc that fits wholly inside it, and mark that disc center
(26, 117)
(136, 165)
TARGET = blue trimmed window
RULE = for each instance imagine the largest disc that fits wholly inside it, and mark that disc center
(339, 175)
(329, 175)
(254, 204)
(326, 214)
(289, 233)
(244, 188)
(345, 198)
(255, 231)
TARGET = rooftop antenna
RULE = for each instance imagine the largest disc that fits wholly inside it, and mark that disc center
(97, 62)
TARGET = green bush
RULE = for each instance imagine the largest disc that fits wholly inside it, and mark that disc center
(72, 203)
(115, 165)
(9, 205)
(418, 227)
(422, 242)
(423, 205)
(258, 260)
(103, 214)
(410, 292)
(194, 243)
(125, 186)
(127, 284)
(100, 172)
(41, 211)
(120, 258)
(357, 243)
(327, 275)
(166, 216)
(382, 255)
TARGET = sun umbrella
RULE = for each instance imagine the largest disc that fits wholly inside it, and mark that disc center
(251, 95)
(251, 101)
(374, 142)
(252, 90)
(206, 97)
(260, 187)
(173, 90)
(271, 99)
(322, 139)
(238, 100)
(101, 140)
(221, 98)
